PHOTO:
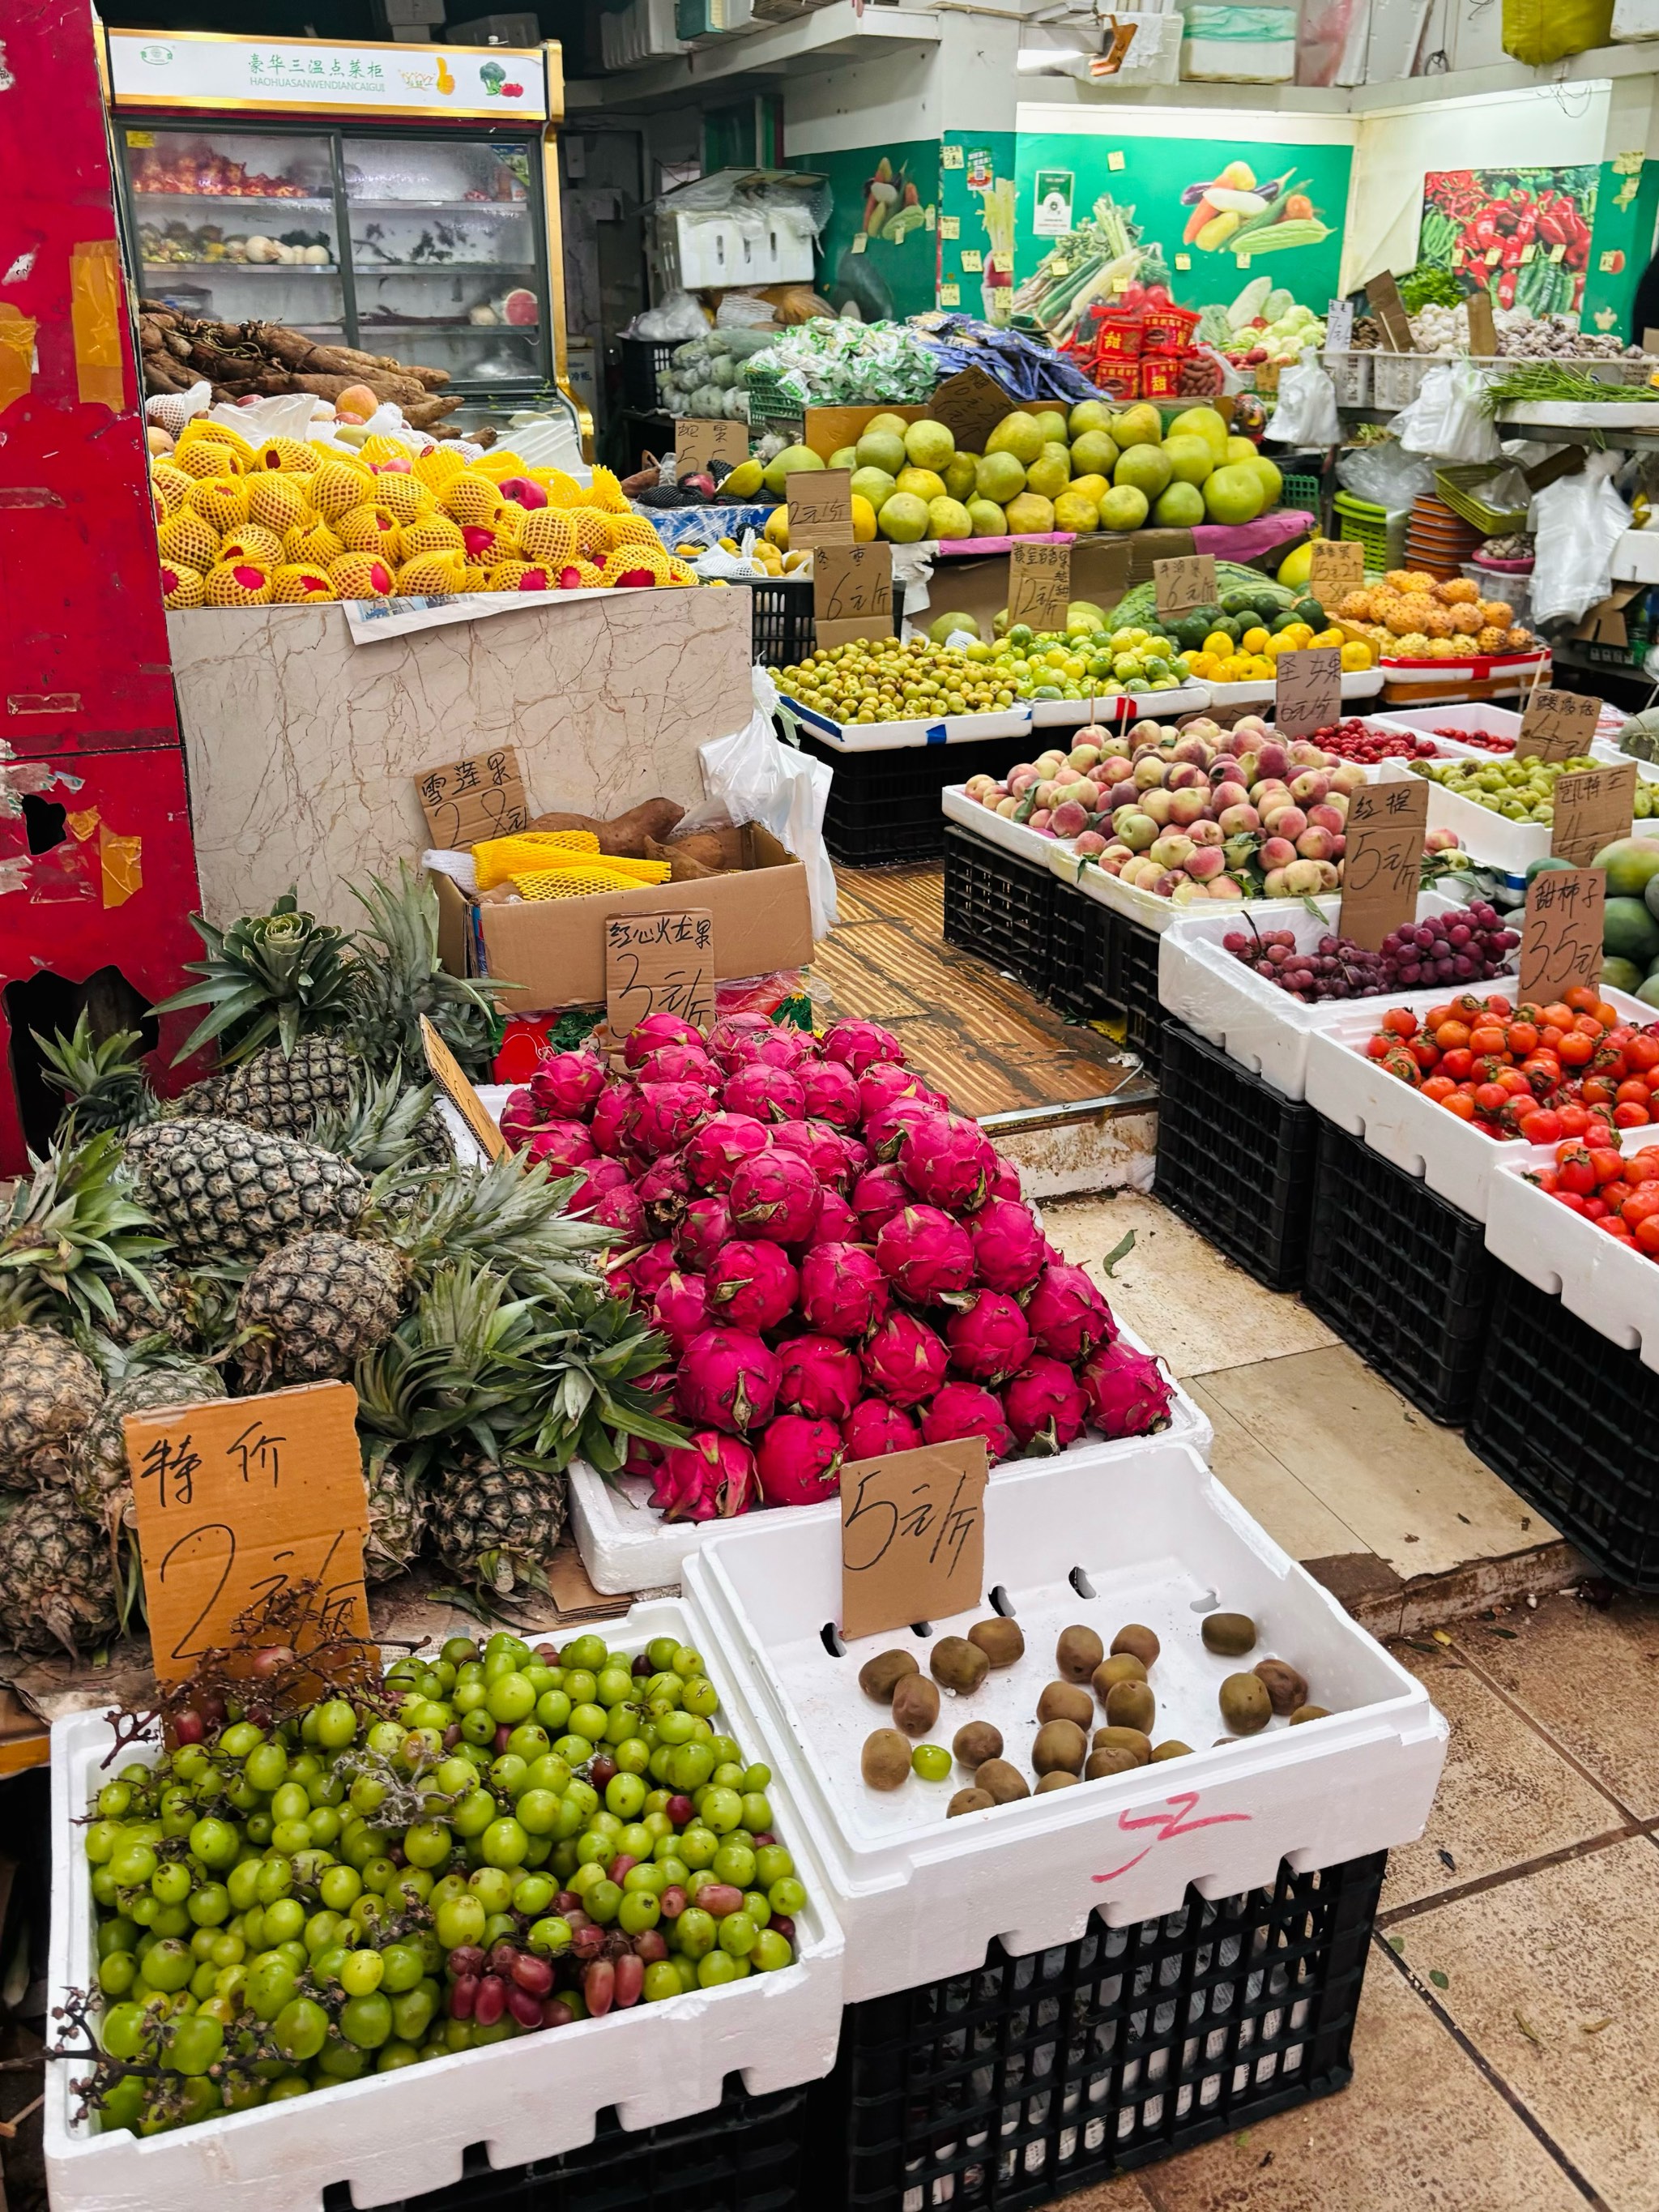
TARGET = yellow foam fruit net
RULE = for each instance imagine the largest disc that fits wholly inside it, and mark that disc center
(562, 490)
(432, 533)
(339, 486)
(380, 447)
(437, 464)
(549, 535)
(172, 485)
(403, 497)
(496, 859)
(200, 429)
(301, 581)
(222, 500)
(289, 456)
(181, 587)
(262, 547)
(571, 883)
(369, 529)
(470, 498)
(316, 542)
(275, 502)
(189, 538)
(430, 574)
(361, 576)
(605, 492)
(228, 585)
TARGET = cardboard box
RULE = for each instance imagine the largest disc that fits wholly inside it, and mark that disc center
(552, 951)
(828, 428)
(1605, 623)
(1100, 572)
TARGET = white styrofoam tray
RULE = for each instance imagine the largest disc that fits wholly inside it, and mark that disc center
(1451, 1156)
(1584, 414)
(996, 829)
(399, 2134)
(1256, 1023)
(1614, 1290)
(626, 1545)
(894, 737)
(1151, 1537)
(1493, 838)
(1356, 683)
(1479, 715)
(1119, 708)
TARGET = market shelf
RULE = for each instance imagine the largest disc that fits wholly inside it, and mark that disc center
(361, 268)
(227, 268)
(231, 199)
(452, 207)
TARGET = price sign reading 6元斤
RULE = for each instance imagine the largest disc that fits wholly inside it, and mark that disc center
(851, 594)
(1183, 583)
(1308, 690)
(912, 1536)
(1561, 937)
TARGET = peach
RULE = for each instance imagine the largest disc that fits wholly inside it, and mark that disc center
(1277, 853)
(1187, 807)
(1207, 861)
(1204, 833)
(1235, 819)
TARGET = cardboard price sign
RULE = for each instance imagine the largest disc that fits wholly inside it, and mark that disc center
(468, 801)
(852, 593)
(1382, 859)
(1561, 936)
(1593, 807)
(659, 963)
(970, 405)
(1556, 725)
(1483, 329)
(1039, 584)
(1184, 583)
(698, 440)
(1308, 690)
(912, 1536)
(448, 1074)
(1390, 310)
(1338, 566)
(820, 503)
(240, 1499)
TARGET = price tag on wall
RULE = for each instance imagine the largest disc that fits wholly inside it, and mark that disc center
(467, 801)
(820, 503)
(1308, 690)
(699, 439)
(239, 1500)
(1561, 936)
(852, 593)
(912, 1536)
(1593, 807)
(1556, 725)
(1339, 326)
(1338, 566)
(1185, 583)
(1039, 584)
(1382, 860)
(659, 963)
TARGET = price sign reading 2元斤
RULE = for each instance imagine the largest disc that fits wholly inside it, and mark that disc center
(912, 1536)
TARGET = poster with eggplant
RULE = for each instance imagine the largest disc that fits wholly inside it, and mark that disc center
(1522, 234)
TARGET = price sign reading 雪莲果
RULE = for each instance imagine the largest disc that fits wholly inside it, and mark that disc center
(466, 802)
(912, 1536)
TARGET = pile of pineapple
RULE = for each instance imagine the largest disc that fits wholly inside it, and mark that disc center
(299, 1216)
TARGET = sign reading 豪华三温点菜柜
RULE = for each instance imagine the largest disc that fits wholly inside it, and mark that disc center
(190, 69)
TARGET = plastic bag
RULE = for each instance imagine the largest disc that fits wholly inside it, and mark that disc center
(1537, 32)
(1577, 522)
(678, 316)
(1448, 418)
(743, 311)
(1384, 475)
(1306, 413)
(754, 777)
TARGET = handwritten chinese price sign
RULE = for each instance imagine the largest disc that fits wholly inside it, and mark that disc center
(912, 1536)
(1308, 690)
(1561, 938)
(1383, 859)
(1592, 808)
(1556, 725)
(659, 963)
(470, 800)
(451, 1079)
(1039, 584)
(1338, 566)
(239, 1500)
(852, 593)
(1185, 583)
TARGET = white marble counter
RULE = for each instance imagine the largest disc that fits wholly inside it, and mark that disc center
(302, 747)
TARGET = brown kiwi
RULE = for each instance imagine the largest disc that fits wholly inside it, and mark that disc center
(1001, 1641)
(1229, 1634)
(1172, 1748)
(958, 1665)
(1125, 1739)
(1245, 1705)
(970, 1801)
(915, 1704)
(880, 1676)
(1060, 1779)
(1140, 1642)
(1111, 1759)
(1058, 1743)
(885, 1763)
(1064, 1701)
(976, 1741)
(1000, 1782)
(1078, 1653)
(1124, 1668)
(1285, 1687)
(1309, 1713)
(1131, 1705)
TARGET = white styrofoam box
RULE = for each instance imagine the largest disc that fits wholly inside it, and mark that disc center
(890, 737)
(1151, 1537)
(1478, 714)
(1454, 1157)
(1119, 708)
(628, 1546)
(1350, 373)
(1636, 19)
(399, 2134)
(1582, 414)
(1511, 846)
(1356, 683)
(1397, 378)
(1636, 555)
(1254, 1022)
(996, 829)
(640, 33)
(1614, 1290)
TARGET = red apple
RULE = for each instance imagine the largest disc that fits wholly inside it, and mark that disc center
(528, 493)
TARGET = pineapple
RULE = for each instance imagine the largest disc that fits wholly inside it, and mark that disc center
(49, 1391)
(312, 1307)
(104, 1081)
(70, 1234)
(387, 1126)
(100, 1480)
(162, 1310)
(400, 977)
(397, 1518)
(286, 1091)
(58, 1574)
(226, 1193)
(269, 978)
(504, 1215)
(495, 1523)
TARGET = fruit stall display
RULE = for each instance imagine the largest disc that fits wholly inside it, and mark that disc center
(262, 361)
(1502, 810)
(1411, 615)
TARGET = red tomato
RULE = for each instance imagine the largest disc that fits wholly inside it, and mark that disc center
(1576, 1169)
(1646, 1234)
(1543, 1125)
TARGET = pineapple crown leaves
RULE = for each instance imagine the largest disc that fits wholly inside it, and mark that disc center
(512, 1216)
(70, 1225)
(379, 1127)
(104, 1079)
(269, 977)
(596, 1399)
(400, 976)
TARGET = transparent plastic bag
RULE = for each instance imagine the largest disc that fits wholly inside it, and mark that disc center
(1306, 413)
(1448, 418)
(752, 776)
(1577, 522)
(1385, 475)
(678, 316)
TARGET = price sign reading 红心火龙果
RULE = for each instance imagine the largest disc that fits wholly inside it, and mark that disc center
(1556, 725)
(1561, 936)
(659, 963)
(1039, 584)
(1183, 583)
(912, 1536)
(1382, 859)
(468, 801)
(1592, 807)
(1307, 690)
(851, 594)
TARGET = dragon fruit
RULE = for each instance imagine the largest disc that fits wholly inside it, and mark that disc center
(1005, 1179)
(927, 1255)
(821, 1377)
(564, 1147)
(568, 1083)
(947, 1160)
(642, 1457)
(611, 1111)
(824, 1149)
(704, 1226)
(778, 1045)
(836, 1223)
(724, 1047)
(1066, 1314)
(1045, 1405)
(519, 1116)
(679, 1308)
(877, 1196)
(1128, 1392)
(663, 1190)
(885, 1132)
(620, 1209)
(988, 1340)
(859, 1045)
(649, 1270)
(751, 1284)
(656, 1029)
(769, 1094)
(905, 1359)
(727, 1380)
(885, 1080)
(710, 1477)
(598, 1175)
(831, 1093)
(775, 1194)
(843, 1292)
(679, 1063)
(1009, 1251)
(799, 1461)
(968, 1409)
(663, 1116)
(874, 1428)
(716, 1151)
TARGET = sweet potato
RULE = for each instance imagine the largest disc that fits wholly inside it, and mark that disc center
(626, 836)
(702, 853)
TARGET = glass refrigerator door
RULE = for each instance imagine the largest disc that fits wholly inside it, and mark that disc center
(447, 258)
(237, 226)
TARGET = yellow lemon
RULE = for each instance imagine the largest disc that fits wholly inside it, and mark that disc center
(1219, 643)
(777, 528)
(1254, 640)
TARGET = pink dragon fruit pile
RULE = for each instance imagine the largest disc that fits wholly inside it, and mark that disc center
(841, 1266)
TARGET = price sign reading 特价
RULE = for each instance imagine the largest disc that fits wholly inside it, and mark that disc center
(1382, 859)
(852, 593)
(659, 963)
(1185, 583)
(912, 1536)
(1592, 807)
(1561, 936)
(1556, 725)
(1039, 584)
(1308, 690)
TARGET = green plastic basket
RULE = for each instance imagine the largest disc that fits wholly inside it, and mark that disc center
(1456, 486)
(1362, 523)
(1302, 491)
(772, 408)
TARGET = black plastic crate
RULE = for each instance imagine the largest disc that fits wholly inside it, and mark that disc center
(1558, 1412)
(1235, 1158)
(1080, 955)
(783, 626)
(1031, 2077)
(1132, 989)
(745, 2156)
(998, 906)
(883, 808)
(643, 361)
(1400, 1274)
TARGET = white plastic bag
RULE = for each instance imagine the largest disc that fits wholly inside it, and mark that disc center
(1577, 522)
(1384, 475)
(678, 317)
(753, 777)
(1448, 418)
(742, 311)
(1306, 413)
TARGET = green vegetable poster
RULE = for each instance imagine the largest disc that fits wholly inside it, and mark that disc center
(1522, 234)
(1626, 206)
(880, 247)
(1205, 215)
(977, 223)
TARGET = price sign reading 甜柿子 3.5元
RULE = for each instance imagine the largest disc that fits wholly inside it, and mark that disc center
(912, 1536)
(1561, 936)
(1382, 859)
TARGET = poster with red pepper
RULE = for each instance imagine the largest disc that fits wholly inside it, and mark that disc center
(1522, 234)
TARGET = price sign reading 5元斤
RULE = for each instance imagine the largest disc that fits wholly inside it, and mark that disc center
(912, 1536)
(1383, 859)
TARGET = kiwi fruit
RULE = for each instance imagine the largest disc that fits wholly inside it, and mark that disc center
(970, 1801)
(1245, 1705)
(1064, 1701)
(880, 1677)
(1001, 1641)
(1230, 1635)
(1131, 1706)
(1285, 1687)
(1078, 1653)
(976, 1741)
(958, 1665)
(1309, 1713)
(1125, 1739)
(915, 1705)
(1171, 1748)
(1060, 1779)
(1124, 1668)
(1058, 1743)
(1001, 1783)
(1139, 1642)
(886, 1761)
(1112, 1758)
